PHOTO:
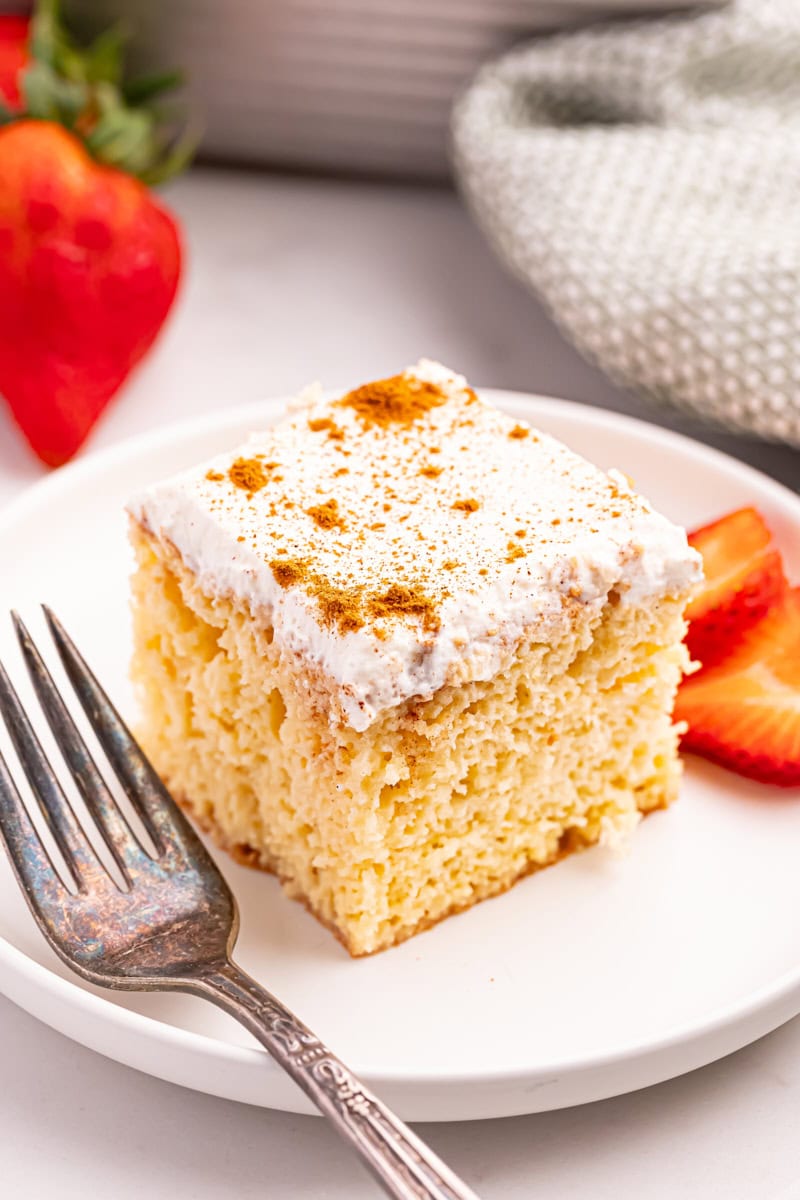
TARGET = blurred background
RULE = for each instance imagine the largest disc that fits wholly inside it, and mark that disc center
(361, 86)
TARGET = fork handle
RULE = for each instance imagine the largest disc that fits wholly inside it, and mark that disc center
(405, 1167)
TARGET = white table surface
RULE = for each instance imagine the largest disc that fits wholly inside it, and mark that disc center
(291, 280)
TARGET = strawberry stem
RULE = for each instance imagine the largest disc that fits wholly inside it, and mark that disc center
(83, 88)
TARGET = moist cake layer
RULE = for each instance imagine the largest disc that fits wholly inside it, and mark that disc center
(407, 536)
(438, 804)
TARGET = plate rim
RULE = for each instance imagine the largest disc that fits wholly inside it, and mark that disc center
(77, 997)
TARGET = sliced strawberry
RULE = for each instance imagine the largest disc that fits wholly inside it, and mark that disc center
(743, 578)
(750, 593)
(745, 712)
(744, 530)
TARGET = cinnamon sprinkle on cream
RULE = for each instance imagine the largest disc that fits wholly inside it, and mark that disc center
(339, 606)
(317, 424)
(249, 474)
(327, 515)
(289, 572)
(399, 400)
(400, 601)
(466, 506)
(519, 431)
(343, 607)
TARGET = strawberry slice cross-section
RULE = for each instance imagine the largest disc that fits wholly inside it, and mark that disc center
(743, 578)
(745, 712)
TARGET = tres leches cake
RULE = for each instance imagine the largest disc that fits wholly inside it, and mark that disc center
(402, 649)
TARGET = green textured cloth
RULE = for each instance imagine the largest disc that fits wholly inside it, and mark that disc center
(644, 178)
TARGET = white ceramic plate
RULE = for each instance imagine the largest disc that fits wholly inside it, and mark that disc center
(595, 977)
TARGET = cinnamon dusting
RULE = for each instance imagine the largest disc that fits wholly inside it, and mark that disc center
(339, 606)
(249, 474)
(400, 601)
(344, 608)
(326, 515)
(317, 424)
(289, 572)
(399, 400)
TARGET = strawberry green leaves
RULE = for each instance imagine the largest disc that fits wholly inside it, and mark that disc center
(83, 88)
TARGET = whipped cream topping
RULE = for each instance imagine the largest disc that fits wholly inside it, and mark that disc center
(409, 534)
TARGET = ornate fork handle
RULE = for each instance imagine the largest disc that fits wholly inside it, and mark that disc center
(402, 1163)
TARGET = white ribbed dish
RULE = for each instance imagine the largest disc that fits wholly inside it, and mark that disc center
(361, 85)
(590, 979)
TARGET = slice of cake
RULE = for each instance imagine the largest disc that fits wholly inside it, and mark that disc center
(402, 649)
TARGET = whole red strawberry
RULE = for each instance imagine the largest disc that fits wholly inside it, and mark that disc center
(89, 262)
(14, 34)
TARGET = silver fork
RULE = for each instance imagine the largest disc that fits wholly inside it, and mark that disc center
(174, 924)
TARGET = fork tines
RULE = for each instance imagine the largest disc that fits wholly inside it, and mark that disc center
(160, 816)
